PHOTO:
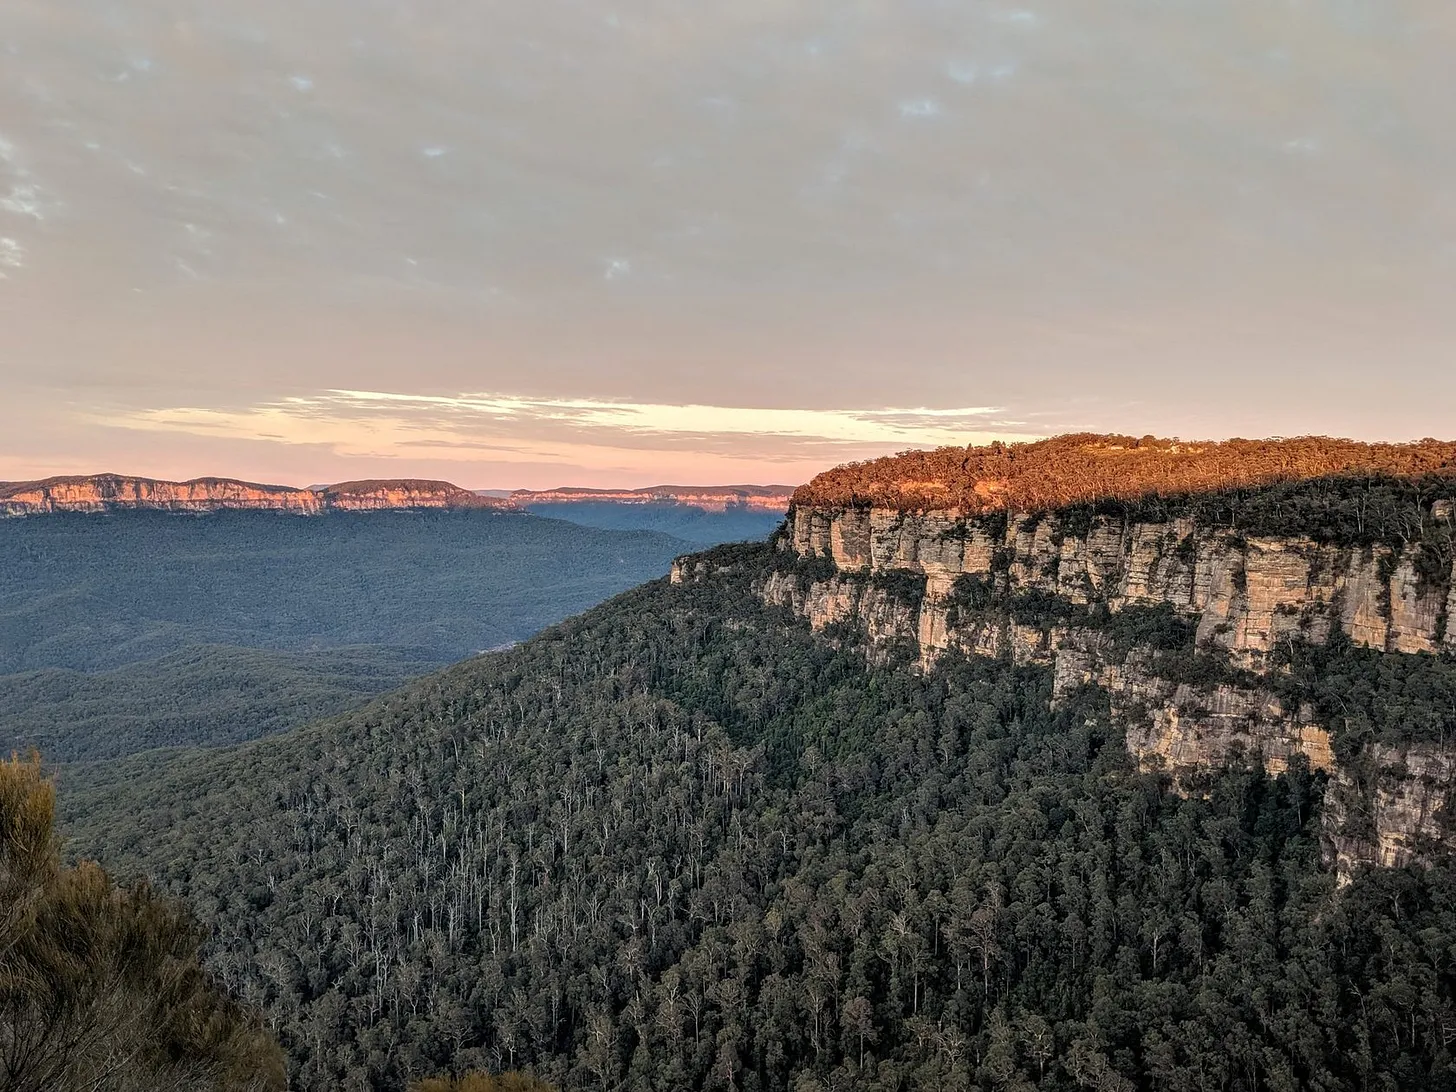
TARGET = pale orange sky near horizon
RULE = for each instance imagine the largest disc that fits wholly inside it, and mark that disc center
(517, 245)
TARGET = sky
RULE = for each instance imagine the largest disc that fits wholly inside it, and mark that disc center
(571, 242)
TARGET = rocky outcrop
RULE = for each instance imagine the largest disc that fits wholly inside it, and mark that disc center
(1242, 596)
(104, 492)
(112, 492)
(1247, 593)
(698, 568)
(1391, 806)
(719, 498)
(886, 619)
(376, 496)
(1182, 727)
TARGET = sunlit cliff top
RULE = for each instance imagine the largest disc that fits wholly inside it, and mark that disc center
(1085, 467)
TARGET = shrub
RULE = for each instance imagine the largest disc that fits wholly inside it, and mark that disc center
(101, 987)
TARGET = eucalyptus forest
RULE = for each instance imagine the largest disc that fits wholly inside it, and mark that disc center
(680, 842)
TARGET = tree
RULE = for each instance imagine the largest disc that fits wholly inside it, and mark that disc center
(859, 1021)
(101, 989)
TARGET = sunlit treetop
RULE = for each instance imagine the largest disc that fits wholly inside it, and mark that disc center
(1087, 467)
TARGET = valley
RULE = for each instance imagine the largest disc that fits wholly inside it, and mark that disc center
(139, 628)
(138, 614)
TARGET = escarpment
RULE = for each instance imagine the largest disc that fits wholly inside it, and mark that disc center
(1248, 592)
(384, 495)
(1276, 618)
(764, 498)
(111, 492)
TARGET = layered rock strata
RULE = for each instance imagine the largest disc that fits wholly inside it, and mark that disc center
(1243, 596)
(1391, 807)
(763, 498)
(111, 492)
(1248, 593)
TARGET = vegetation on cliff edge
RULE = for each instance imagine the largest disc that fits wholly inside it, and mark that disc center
(1084, 467)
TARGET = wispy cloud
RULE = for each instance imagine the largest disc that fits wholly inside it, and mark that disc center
(519, 428)
(12, 255)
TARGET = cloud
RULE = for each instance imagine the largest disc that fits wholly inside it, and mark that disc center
(23, 200)
(1029, 20)
(919, 108)
(1113, 202)
(518, 428)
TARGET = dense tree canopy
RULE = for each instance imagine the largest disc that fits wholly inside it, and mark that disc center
(680, 843)
(483, 1082)
(1083, 468)
(200, 696)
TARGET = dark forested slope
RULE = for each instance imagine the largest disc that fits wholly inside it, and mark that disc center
(682, 843)
(200, 696)
(94, 592)
(142, 629)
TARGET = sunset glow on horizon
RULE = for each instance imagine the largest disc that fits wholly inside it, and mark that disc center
(535, 245)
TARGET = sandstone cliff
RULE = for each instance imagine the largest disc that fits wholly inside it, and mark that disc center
(110, 492)
(1051, 586)
(373, 496)
(1247, 592)
(763, 498)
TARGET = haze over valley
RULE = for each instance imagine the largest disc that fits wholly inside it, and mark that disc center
(137, 614)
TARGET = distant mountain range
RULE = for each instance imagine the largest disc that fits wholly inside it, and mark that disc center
(711, 498)
(106, 492)
(700, 514)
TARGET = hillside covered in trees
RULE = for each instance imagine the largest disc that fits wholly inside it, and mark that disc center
(95, 592)
(142, 629)
(681, 842)
(1085, 467)
(204, 695)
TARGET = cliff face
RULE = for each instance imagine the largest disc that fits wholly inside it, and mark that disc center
(1186, 727)
(1282, 565)
(374, 496)
(763, 498)
(1242, 596)
(1391, 807)
(1247, 593)
(109, 492)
